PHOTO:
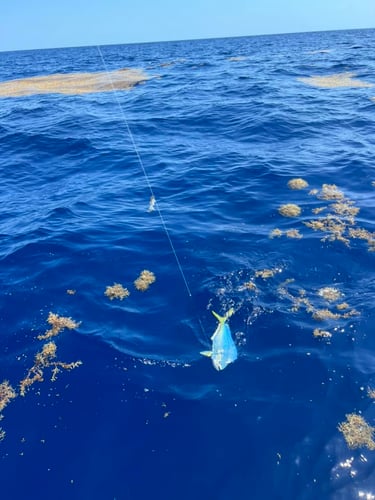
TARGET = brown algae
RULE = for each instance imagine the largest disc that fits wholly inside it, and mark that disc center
(266, 273)
(144, 280)
(319, 333)
(45, 359)
(7, 393)
(276, 233)
(58, 324)
(329, 293)
(293, 233)
(73, 83)
(116, 291)
(297, 183)
(357, 432)
(290, 210)
(335, 81)
(322, 314)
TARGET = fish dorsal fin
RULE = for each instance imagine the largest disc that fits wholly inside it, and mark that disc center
(208, 354)
(227, 315)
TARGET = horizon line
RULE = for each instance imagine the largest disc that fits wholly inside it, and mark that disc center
(186, 39)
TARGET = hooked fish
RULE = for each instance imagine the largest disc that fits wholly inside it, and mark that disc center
(224, 350)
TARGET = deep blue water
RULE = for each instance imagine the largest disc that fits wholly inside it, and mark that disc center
(146, 415)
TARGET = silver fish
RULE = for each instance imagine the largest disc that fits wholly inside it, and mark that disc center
(224, 350)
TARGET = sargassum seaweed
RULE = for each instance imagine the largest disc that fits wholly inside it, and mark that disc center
(45, 359)
(58, 324)
(7, 393)
(335, 81)
(290, 210)
(357, 432)
(73, 83)
(144, 280)
(297, 183)
(116, 291)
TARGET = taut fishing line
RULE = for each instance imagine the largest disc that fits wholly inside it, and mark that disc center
(153, 198)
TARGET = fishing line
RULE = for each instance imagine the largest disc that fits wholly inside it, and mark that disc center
(143, 168)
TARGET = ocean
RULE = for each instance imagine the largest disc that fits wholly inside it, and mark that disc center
(239, 174)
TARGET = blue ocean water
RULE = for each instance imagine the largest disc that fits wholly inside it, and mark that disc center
(220, 128)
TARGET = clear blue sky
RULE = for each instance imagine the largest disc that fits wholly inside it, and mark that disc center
(32, 24)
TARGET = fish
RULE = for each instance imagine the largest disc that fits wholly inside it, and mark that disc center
(224, 350)
(151, 206)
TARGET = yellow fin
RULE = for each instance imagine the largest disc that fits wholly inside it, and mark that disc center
(227, 315)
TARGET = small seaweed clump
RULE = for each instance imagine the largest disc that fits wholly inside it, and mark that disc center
(7, 393)
(319, 333)
(45, 359)
(250, 285)
(297, 184)
(58, 324)
(322, 314)
(290, 210)
(276, 233)
(267, 273)
(145, 279)
(329, 293)
(357, 432)
(293, 233)
(116, 291)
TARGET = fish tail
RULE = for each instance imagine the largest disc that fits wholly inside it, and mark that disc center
(227, 315)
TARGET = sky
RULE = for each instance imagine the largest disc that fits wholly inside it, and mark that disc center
(35, 24)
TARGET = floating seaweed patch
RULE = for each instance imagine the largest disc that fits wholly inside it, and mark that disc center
(116, 291)
(334, 81)
(267, 273)
(357, 432)
(333, 226)
(342, 306)
(276, 233)
(43, 360)
(319, 333)
(328, 192)
(339, 223)
(293, 233)
(290, 210)
(73, 83)
(58, 324)
(347, 209)
(363, 234)
(318, 210)
(297, 183)
(329, 293)
(144, 280)
(371, 392)
(300, 300)
(322, 314)
(7, 393)
(250, 285)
